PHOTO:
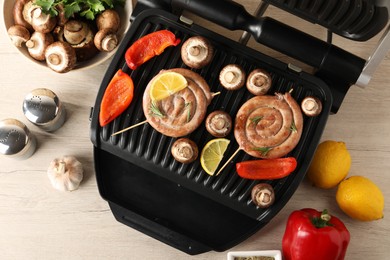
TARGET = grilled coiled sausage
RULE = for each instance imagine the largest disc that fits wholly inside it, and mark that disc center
(269, 126)
(182, 112)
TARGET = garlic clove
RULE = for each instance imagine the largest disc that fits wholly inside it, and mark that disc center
(66, 173)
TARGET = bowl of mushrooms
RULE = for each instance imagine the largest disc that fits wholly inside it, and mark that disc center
(61, 37)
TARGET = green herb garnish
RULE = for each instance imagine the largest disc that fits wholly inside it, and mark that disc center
(263, 150)
(187, 106)
(155, 111)
(88, 9)
(293, 127)
(255, 120)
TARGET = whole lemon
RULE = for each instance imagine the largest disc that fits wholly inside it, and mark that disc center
(330, 164)
(360, 198)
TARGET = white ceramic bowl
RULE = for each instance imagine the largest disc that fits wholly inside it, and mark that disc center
(96, 60)
(276, 254)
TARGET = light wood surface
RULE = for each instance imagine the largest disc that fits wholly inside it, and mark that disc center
(38, 222)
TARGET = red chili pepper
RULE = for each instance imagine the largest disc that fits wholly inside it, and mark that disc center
(116, 98)
(148, 46)
(311, 234)
(266, 169)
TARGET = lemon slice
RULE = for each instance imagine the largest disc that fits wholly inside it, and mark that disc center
(212, 154)
(165, 84)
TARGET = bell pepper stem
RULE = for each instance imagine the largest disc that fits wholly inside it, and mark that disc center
(323, 220)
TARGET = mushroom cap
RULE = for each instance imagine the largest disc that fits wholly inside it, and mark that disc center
(197, 52)
(263, 195)
(38, 43)
(18, 14)
(109, 19)
(105, 40)
(81, 37)
(311, 106)
(60, 57)
(259, 82)
(75, 31)
(184, 150)
(219, 123)
(232, 77)
(18, 34)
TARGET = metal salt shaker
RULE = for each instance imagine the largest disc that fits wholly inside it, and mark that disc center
(43, 108)
(16, 141)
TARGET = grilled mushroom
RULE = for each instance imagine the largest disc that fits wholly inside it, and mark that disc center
(259, 82)
(184, 150)
(232, 77)
(60, 57)
(197, 52)
(18, 34)
(105, 40)
(263, 195)
(311, 106)
(219, 123)
(38, 44)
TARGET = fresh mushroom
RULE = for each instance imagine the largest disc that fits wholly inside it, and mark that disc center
(109, 19)
(65, 173)
(37, 45)
(60, 57)
(40, 21)
(18, 14)
(105, 40)
(259, 82)
(311, 106)
(18, 34)
(263, 195)
(80, 36)
(197, 52)
(232, 77)
(219, 123)
(184, 150)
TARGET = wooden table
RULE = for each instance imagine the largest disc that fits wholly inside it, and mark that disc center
(38, 222)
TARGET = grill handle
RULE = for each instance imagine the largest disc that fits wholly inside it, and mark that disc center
(339, 68)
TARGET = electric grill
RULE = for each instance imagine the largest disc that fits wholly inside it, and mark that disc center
(179, 204)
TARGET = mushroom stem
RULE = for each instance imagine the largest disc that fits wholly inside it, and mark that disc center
(230, 77)
(195, 50)
(54, 59)
(263, 195)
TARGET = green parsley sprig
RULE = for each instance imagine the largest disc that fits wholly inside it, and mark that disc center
(88, 9)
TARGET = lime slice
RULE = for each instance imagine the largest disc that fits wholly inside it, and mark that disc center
(165, 84)
(212, 154)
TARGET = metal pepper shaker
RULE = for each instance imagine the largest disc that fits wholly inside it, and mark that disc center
(43, 108)
(16, 140)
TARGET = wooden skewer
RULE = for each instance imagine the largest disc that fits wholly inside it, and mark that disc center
(145, 121)
(228, 161)
(216, 94)
(130, 127)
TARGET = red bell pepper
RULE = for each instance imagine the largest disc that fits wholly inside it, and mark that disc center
(311, 234)
(116, 98)
(266, 169)
(148, 46)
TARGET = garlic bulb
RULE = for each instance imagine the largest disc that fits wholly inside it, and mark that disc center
(65, 173)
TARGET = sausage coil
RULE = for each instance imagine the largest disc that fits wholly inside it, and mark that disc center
(269, 126)
(182, 112)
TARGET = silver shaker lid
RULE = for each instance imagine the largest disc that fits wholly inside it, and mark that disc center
(42, 107)
(15, 139)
